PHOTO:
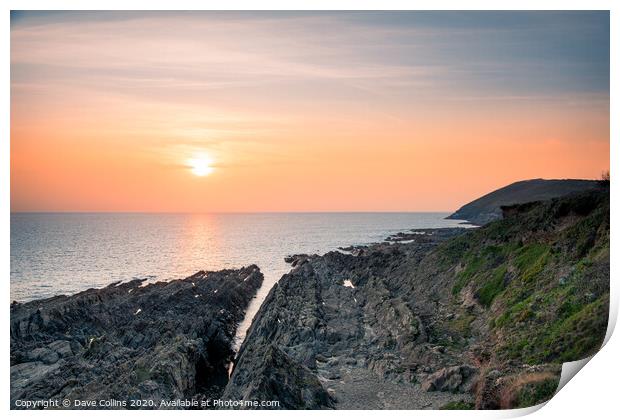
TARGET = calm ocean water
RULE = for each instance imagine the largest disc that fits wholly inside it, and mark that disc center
(64, 253)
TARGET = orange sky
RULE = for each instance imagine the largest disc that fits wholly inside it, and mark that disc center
(296, 113)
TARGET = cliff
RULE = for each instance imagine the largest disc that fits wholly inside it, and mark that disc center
(488, 207)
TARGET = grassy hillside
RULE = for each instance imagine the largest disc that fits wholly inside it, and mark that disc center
(533, 288)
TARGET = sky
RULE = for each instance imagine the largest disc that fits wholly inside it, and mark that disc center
(301, 111)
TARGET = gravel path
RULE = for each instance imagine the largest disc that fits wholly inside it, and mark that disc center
(359, 388)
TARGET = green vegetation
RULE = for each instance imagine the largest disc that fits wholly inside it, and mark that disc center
(531, 260)
(487, 268)
(579, 335)
(493, 287)
(564, 318)
(535, 393)
(450, 252)
(461, 324)
(543, 278)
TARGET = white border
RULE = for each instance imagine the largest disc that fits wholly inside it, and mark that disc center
(592, 395)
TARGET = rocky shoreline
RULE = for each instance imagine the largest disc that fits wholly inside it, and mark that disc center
(429, 319)
(335, 329)
(161, 341)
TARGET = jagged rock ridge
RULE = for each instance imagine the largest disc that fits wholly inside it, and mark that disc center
(131, 340)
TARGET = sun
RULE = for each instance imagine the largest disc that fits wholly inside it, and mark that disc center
(200, 165)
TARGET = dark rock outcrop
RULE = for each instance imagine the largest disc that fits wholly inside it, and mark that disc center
(167, 340)
(425, 235)
(278, 377)
(454, 379)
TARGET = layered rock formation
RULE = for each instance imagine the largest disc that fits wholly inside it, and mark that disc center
(348, 325)
(167, 340)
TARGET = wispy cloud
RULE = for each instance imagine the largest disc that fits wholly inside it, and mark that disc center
(172, 55)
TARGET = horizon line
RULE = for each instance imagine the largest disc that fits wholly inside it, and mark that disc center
(228, 212)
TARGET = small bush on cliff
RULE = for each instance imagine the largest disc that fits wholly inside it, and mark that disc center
(529, 389)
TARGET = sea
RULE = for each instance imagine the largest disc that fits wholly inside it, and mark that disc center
(64, 253)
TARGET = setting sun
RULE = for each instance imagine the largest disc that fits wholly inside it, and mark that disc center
(200, 166)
